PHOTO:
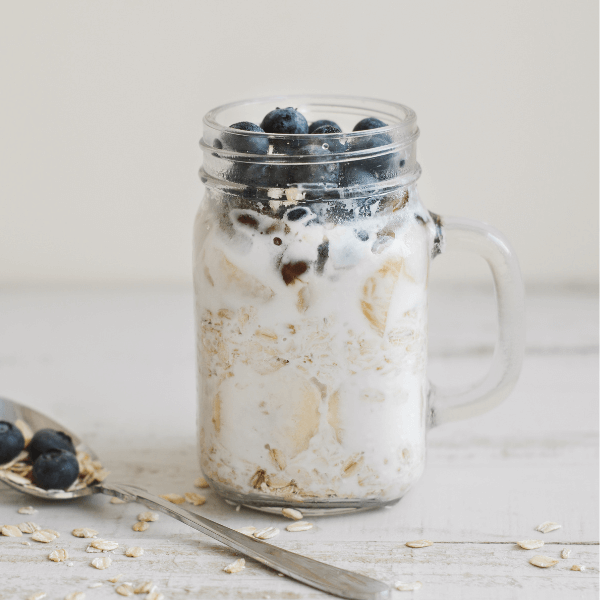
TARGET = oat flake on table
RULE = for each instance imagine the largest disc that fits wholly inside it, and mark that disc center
(419, 544)
(11, 531)
(37, 596)
(565, 553)
(27, 510)
(145, 588)
(236, 566)
(104, 545)
(58, 555)
(174, 498)
(149, 516)
(84, 532)
(408, 587)
(266, 533)
(141, 526)
(51, 532)
(29, 527)
(125, 590)
(530, 544)
(154, 596)
(195, 499)
(116, 578)
(299, 526)
(201, 483)
(102, 563)
(75, 596)
(95, 584)
(43, 536)
(134, 551)
(543, 561)
(547, 527)
(577, 568)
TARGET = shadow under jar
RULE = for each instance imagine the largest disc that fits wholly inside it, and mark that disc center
(311, 262)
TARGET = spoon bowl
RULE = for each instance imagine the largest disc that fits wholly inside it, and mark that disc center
(327, 578)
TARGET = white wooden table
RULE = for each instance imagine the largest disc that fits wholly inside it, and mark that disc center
(118, 367)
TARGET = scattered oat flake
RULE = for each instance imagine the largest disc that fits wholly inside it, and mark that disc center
(37, 596)
(104, 545)
(125, 590)
(115, 500)
(266, 533)
(247, 530)
(174, 498)
(134, 551)
(70, 564)
(195, 499)
(116, 578)
(419, 544)
(58, 555)
(201, 483)
(95, 584)
(27, 510)
(543, 561)
(578, 568)
(102, 562)
(154, 596)
(236, 566)
(292, 513)
(145, 588)
(547, 527)
(238, 508)
(530, 544)
(149, 516)
(92, 549)
(51, 532)
(408, 587)
(565, 553)
(26, 543)
(11, 531)
(141, 526)
(299, 526)
(29, 527)
(75, 596)
(84, 532)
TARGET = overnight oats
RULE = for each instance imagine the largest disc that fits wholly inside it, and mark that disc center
(311, 259)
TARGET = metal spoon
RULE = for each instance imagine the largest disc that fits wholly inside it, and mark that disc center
(306, 570)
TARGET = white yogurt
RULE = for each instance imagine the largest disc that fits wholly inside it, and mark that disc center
(312, 348)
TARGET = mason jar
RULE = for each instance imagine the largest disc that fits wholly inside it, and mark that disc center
(311, 264)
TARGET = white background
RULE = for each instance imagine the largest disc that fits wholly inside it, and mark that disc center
(102, 103)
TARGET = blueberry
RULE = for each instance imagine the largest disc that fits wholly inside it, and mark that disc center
(252, 144)
(296, 214)
(322, 123)
(260, 175)
(369, 123)
(327, 172)
(285, 120)
(11, 441)
(46, 440)
(55, 470)
(356, 177)
(335, 144)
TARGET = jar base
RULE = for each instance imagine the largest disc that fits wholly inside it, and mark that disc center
(309, 507)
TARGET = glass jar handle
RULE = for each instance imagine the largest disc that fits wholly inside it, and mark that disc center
(465, 234)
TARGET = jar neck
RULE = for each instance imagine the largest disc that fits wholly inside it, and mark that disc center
(313, 166)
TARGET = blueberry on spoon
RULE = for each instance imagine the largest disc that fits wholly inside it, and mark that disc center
(55, 470)
(46, 440)
(11, 441)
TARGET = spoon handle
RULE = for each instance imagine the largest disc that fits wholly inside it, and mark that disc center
(306, 570)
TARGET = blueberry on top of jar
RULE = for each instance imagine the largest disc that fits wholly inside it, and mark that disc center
(285, 120)
(252, 144)
(332, 144)
(46, 440)
(12, 441)
(323, 123)
(314, 172)
(369, 123)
